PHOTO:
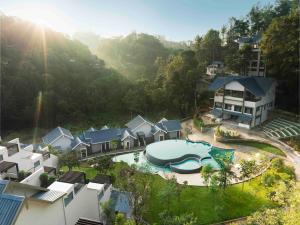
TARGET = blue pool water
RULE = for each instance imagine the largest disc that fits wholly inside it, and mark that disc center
(179, 156)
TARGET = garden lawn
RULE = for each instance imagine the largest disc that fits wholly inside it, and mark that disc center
(262, 146)
(207, 206)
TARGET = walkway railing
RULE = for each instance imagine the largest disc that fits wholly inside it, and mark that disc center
(113, 153)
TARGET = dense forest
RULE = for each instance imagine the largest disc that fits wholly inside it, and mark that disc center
(49, 78)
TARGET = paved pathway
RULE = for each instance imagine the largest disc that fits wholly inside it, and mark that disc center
(292, 156)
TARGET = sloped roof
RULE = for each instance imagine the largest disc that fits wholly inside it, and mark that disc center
(171, 125)
(72, 177)
(77, 141)
(120, 202)
(126, 132)
(256, 85)
(101, 136)
(4, 165)
(48, 196)
(3, 184)
(137, 121)
(9, 208)
(56, 133)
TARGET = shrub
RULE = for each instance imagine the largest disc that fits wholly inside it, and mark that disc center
(277, 164)
(51, 179)
(21, 175)
(44, 180)
(268, 179)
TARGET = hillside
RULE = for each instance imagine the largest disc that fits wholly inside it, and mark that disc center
(46, 75)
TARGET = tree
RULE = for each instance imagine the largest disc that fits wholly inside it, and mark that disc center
(248, 169)
(69, 159)
(281, 56)
(206, 173)
(225, 174)
(138, 187)
(103, 164)
(109, 214)
(121, 220)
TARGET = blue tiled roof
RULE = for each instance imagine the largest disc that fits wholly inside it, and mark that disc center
(100, 136)
(135, 122)
(55, 133)
(256, 85)
(76, 141)
(120, 202)
(3, 184)
(171, 125)
(9, 208)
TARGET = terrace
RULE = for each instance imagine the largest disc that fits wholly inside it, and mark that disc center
(281, 128)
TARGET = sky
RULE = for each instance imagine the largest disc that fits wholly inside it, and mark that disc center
(177, 20)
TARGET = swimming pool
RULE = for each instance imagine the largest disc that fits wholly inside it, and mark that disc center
(179, 156)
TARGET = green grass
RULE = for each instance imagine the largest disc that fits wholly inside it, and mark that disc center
(262, 146)
(208, 207)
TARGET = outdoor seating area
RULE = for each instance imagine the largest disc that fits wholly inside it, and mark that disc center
(281, 128)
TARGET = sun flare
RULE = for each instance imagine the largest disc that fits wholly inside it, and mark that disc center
(43, 15)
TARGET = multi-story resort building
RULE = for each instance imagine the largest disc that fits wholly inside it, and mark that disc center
(243, 100)
(256, 65)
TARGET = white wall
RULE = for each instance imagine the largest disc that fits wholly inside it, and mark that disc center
(41, 213)
(62, 142)
(234, 85)
(51, 162)
(34, 178)
(85, 204)
(146, 128)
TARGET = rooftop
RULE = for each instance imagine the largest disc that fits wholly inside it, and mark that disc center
(60, 186)
(256, 85)
(48, 196)
(4, 166)
(84, 221)
(73, 177)
(56, 133)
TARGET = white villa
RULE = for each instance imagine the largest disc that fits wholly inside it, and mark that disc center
(256, 64)
(61, 203)
(217, 67)
(15, 158)
(245, 101)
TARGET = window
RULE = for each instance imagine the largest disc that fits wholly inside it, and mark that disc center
(265, 106)
(218, 105)
(68, 199)
(248, 110)
(250, 97)
(228, 106)
(36, 164)
(237, 108)
(1, 157)
(83, 153)
(257, 108)
(161, 137)
(232, 93)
